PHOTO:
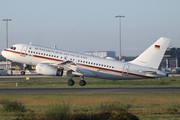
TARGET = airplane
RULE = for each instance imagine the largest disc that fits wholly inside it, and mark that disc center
(53, 62)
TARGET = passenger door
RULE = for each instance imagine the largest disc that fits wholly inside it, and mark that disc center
(23, 51)
(125, 69)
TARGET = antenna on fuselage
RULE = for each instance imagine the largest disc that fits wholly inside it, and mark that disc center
(55, 46)
(30, 43)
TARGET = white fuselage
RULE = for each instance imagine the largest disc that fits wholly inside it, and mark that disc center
(88, 65)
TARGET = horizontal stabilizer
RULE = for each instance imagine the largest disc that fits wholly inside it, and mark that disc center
(148, 72)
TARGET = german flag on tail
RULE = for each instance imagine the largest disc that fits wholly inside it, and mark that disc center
(157, 46)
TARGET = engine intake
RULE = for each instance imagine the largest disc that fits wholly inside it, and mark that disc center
(47, 69)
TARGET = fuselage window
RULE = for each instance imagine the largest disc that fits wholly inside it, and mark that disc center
(46, 54)
(89, 62)
(34, 52)
(112, 66)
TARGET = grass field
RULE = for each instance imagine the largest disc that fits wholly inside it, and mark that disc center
(61, 82)
(146, 106)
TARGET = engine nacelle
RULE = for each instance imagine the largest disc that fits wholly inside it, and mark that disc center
(46, 69)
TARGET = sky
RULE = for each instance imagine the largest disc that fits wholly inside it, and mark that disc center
(90, 25)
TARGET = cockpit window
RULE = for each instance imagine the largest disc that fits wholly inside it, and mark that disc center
(13, 48)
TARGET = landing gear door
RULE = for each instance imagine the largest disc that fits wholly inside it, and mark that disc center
(23, 51)
(125, 69)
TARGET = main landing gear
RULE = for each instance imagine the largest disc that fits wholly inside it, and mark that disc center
(71, 82)
(81, 82)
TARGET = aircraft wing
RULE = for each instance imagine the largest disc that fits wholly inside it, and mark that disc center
(70, 66)
(67, 65)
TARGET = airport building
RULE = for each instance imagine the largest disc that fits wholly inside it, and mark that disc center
(101, 53)
(171, 60)
(172, 57)
(5, 65)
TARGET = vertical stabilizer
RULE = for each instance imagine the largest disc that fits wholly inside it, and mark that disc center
(153, 55)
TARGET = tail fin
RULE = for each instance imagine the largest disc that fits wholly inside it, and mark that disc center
(153, 55)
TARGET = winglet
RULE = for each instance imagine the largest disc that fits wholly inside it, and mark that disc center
(152, 56)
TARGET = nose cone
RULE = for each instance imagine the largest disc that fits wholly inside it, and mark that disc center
(4, 53)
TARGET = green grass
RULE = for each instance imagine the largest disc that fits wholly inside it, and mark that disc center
(61, 82)
(146, 106)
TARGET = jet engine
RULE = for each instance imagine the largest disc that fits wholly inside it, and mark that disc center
(47, 69)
